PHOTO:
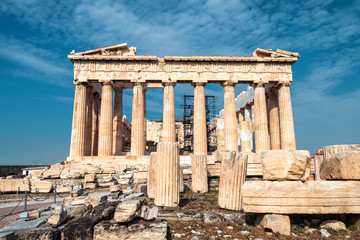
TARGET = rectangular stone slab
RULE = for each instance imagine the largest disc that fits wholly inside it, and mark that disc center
(296, 197)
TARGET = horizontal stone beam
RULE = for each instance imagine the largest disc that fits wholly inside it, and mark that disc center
(296, 197)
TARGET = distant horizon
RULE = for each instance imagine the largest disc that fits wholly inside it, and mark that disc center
(37, 77)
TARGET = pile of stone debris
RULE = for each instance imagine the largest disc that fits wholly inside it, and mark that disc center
(91, 216)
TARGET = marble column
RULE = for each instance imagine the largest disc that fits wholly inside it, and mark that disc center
(230, 120)
(274, 120)
(262, 140)
(95, 124)
(117, 121)
(287, 131)
(137, 125)
(145, 121)
(200, 128)
(88, 124)
(167, 190)
(77, 146)
(169, 134)
(106, 120)
(245, 133)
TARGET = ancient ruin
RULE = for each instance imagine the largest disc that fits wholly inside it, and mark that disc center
(130, 180)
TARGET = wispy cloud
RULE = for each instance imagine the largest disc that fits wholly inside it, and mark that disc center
(37, 63)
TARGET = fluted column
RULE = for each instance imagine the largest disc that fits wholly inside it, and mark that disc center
(230, 121)
(95, 124)
(199, 179)
(274, 120)
(167, 191)
(287, 131)
(200, 128)
(117, 121)
(106, 120)
(77, 146)
(232, 177)
(89, 113)
(245, 133)
(145, 122)
(137, 125)
(262, 140)
(169, 134)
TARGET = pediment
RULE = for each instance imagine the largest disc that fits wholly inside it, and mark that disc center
(121, 49)
(260, 52)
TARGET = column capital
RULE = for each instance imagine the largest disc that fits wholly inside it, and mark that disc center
(284, 83)
(106, 82)
(258, 84)
(80, 83)
(202, 84)
(228, 83)
(165, 84)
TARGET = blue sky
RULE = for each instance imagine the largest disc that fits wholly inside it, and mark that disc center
(36, 76)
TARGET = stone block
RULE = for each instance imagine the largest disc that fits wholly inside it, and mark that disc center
(14, 185)
(140, 175)
(51, 173)
(334, 224)
(90, 185)
(341, 166)
(77, 192)
(126, 211)
(70, 174)
(106, 230)
(276, 223)
(93, 170)
(41, 186)
(285, 164)
(58, 216)
(96, 199)
(149, 213)
(24, 215)
(108, 170)
(115, 188)
(37, 174)
(90, 178)
(296, 197)
(333, 149)
(63, 189)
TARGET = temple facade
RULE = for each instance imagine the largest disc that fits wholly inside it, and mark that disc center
(100, 76)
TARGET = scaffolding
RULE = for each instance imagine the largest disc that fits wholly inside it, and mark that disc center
(188, 120)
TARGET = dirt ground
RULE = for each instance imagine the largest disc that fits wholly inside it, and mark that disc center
(200, 203)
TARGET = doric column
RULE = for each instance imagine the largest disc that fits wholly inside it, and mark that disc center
(287, 131)
(106, 120)
(77, 146)
(167, 190)
(117, 121)
(274, 120)
(249, 124)
(145, 122)
(232, 177)
(200, 133)
(89, 113)
(245, 133)
(230, 120)
(169, 134)
(137, 125)
(95, 124)
(262, 140)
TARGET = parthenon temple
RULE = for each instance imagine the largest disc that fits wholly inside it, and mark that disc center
(250, 175)
(100, 76)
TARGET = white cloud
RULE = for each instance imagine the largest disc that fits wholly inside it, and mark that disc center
(37, 63)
